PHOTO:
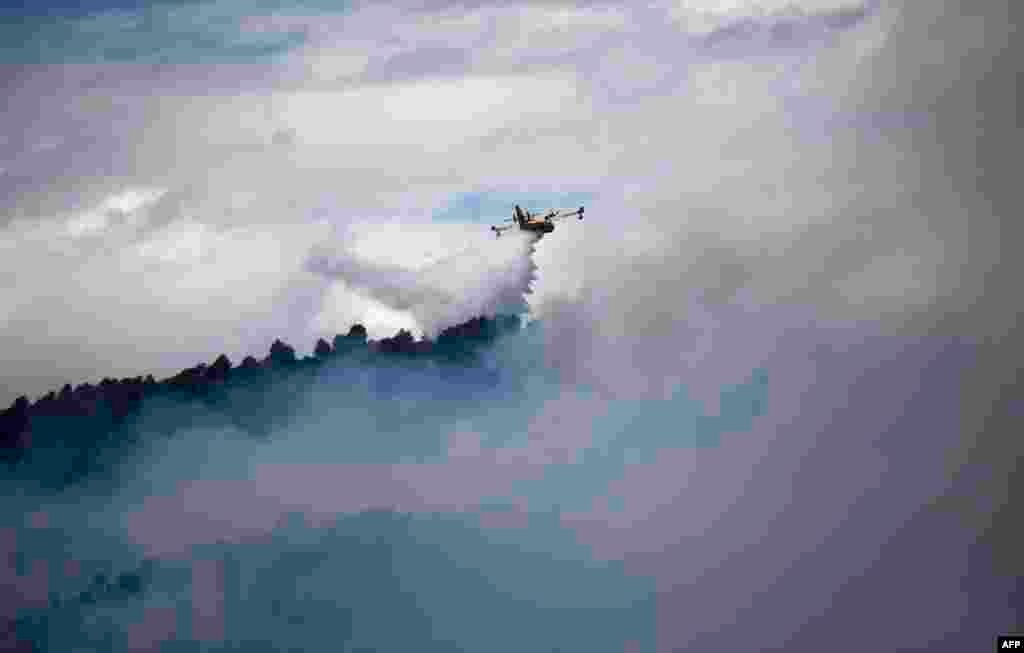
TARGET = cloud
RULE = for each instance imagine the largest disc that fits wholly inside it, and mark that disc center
(143, 290)
(745, 191)
(432, 115)
(741, 18)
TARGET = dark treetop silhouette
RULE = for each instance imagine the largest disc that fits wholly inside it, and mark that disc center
(82, 419)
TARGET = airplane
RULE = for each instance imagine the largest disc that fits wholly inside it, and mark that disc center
(538, 224)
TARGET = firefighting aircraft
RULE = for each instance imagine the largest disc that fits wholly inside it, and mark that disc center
(538, 224)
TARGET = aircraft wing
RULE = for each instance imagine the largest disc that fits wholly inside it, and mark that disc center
(561, 214)
(497, 229)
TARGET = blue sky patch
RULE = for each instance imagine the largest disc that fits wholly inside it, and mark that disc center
(170, 33)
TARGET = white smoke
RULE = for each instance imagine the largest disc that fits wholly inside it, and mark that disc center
(421, 277)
